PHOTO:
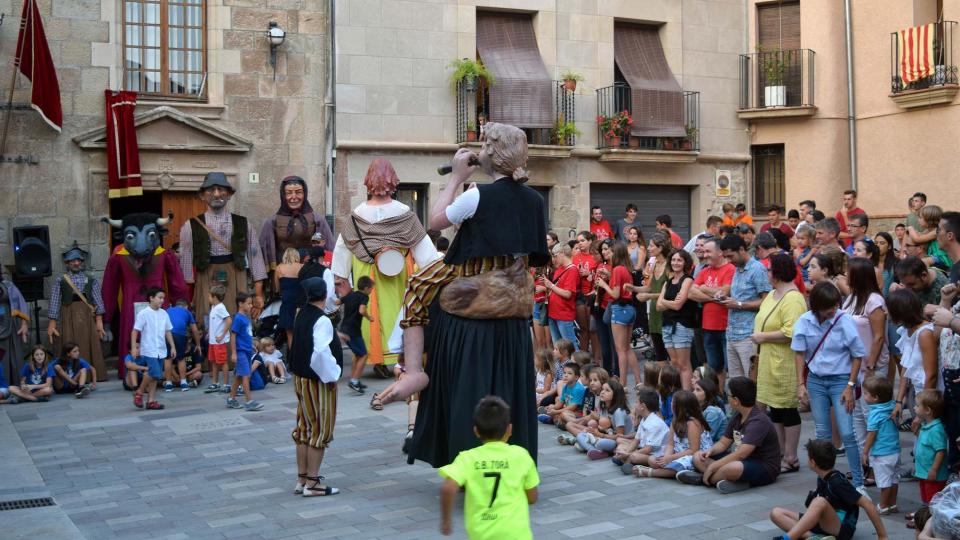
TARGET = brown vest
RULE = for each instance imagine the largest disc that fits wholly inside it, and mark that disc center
(299, 238)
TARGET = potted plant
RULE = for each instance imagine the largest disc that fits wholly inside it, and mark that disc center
(570, 79)
(668, 143)
(468, 71)
(564, 132)
(687, 143)
(774, 65)
(471, 132)
(615, 126)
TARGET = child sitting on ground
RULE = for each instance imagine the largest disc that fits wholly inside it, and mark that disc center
(930, 450)
(36, 377)
(355, 309)
(833, 507)
(690, 433)
(500, 479)
(706, 372)
(599, 441)
(571, 396)
(273, 360)
(591, 408)
(668, 383)
(591, 397)
(562, 352)
(706, 392)
(651, 435)
(72, 374)
(136, 368)
(881, 450)
(545, 380)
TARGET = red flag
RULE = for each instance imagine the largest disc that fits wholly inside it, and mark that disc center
(33, 59)
(123, 157)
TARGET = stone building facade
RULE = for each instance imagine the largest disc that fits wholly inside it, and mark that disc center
(255, 124)
(393, 98)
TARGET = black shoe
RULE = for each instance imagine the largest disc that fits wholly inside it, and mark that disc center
(356, 387)
(840, 452)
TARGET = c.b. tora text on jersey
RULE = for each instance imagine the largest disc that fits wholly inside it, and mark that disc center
(491, 465)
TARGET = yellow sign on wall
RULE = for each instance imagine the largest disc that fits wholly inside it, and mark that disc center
(722, 183)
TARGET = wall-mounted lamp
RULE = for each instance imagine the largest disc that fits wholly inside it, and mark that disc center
(275, 35)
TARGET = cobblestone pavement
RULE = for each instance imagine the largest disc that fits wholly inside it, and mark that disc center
(199, 470)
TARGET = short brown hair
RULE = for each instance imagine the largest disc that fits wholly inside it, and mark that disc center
(933, 400)
(582, 358)
(219, 292)
(880, 387)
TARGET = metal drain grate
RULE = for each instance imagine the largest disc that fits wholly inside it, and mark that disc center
(23, 504)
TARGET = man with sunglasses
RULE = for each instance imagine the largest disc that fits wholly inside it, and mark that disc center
(857, 229)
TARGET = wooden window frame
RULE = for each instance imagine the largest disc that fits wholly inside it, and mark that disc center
(758, 208)
(164, 48)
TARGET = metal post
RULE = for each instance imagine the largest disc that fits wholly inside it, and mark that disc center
(851, 98)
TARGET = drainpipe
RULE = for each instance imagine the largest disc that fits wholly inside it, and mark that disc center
(330, 108)
(851, 100)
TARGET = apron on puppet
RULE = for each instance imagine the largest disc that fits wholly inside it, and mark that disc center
(77, 311)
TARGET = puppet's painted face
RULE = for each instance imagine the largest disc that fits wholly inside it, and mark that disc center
(216, 197)
(141, 241)
(293, 195)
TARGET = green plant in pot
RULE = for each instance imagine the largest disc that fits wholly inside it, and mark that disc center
(774, 65)
(692, 134)
(469, 71)
(565, 131)
(570, 80)
(471, 132)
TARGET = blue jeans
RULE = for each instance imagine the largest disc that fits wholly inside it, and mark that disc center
(824, 393)
(607, 352)
(715, 345)
(607, 445)
(564, 330)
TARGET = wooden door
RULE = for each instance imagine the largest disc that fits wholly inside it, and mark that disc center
(184, 205)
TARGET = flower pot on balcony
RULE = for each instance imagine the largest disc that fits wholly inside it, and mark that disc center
(669, 144)
(471, 136)
(570, 85)
(775, 96)
(634, 142)
(614, 141)
(686, 145)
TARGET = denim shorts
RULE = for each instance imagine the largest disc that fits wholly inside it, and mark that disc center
(242, 368)
(154, 367)
(538, 307)
(622, 315)
(677, 336)
(357, 346)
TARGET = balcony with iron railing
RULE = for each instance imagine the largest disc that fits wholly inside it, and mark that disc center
(473, 100)
(618, 144)
(777, 84)
(920, 77)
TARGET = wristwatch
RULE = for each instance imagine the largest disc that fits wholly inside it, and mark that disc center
(851, 384)
(739, 304)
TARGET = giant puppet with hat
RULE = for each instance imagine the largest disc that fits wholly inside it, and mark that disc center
(219, 247)
(76, 310)
(138, 264)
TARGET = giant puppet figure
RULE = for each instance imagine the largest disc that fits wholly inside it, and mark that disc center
(139, 264)
(76, 310)
(294, 224)
(480, 336)
(382, 239)
(220, 248)
(13, 329)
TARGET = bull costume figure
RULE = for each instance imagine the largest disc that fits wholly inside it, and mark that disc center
(13, 329)
(76, 303)
(479, 342)
(294, 225)
(140, 263)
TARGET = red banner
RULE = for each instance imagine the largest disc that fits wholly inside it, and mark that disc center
(34, 61)
(123, 157)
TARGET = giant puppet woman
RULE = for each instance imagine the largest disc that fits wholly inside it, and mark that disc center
(382, 239)
(480, 341)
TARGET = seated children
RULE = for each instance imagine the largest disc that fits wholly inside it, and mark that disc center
(355, 309)
(706, 392)
(72, 374)
(500, 479)
(690, 433)
(36, 377)
(590, 408)
(668, 382)
(545, 380)
(219, 338)
(241, 353)
(600, 440)
(193, 363)
(881, 450)
(833, 507)
(183, 322)
(150, 329)
(651, 435)
(571, 396)
(11, 395)
(274, 360)
(136, 369)
(562, 352)
(930, 450)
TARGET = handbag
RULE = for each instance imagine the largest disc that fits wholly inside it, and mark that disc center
(499, 294)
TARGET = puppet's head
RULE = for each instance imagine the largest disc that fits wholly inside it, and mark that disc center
(142, 234)
(505, 151)
(381, 179)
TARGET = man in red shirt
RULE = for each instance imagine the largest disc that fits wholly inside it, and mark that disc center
(599, 227)
(664, 223)
(711, 287)
(847, 209)
(561, 309)
(774, 215)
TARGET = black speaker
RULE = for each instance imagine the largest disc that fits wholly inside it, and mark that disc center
(31, 251)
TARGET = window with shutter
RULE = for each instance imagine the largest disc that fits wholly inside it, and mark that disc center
(164, 46)
(778, 26)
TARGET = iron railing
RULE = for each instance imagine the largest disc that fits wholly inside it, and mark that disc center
(782, 78)
(944, 70)
(473, 99)
(617, 98)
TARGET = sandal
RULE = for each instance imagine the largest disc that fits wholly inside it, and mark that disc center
(906, 425)
(787, 469)
(642, 472)
(316, 490)
(375, 402)
(300, 483)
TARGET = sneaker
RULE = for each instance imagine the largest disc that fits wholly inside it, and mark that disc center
(138, 401)
(212, 389)
(566, 438)
(596, 454)
(626, 468)
(252, 405)
(193, 384)
(544, 419)
(840, 452)
(43, 399)
(886, 511)
(83, 392)
(355, 387)
(363, 385)
(184, 387)
(232, 403)
(13, 400)
(155, 406)
(616, 462)
(691, 478)
(729, 486)
(168, 386)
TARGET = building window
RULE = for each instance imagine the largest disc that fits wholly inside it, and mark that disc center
(164, 49)
(414, 196)
(769, 177)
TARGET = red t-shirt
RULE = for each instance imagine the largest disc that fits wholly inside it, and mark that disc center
(619, 278)
(601, 230)
(715, 315)
(560, 308)
(538, 281)
(581, 261)
(784, 228)
(798, 281)
(843, 223)
(677, 241)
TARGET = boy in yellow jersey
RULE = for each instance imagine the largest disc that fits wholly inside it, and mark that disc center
(500, 479)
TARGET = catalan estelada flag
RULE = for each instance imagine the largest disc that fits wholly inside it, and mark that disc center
(34, 61)
(916, 52)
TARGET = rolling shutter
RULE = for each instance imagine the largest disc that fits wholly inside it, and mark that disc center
(655, 95)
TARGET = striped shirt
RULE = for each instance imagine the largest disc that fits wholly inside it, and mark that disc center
(222, 226)
(79, 280)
